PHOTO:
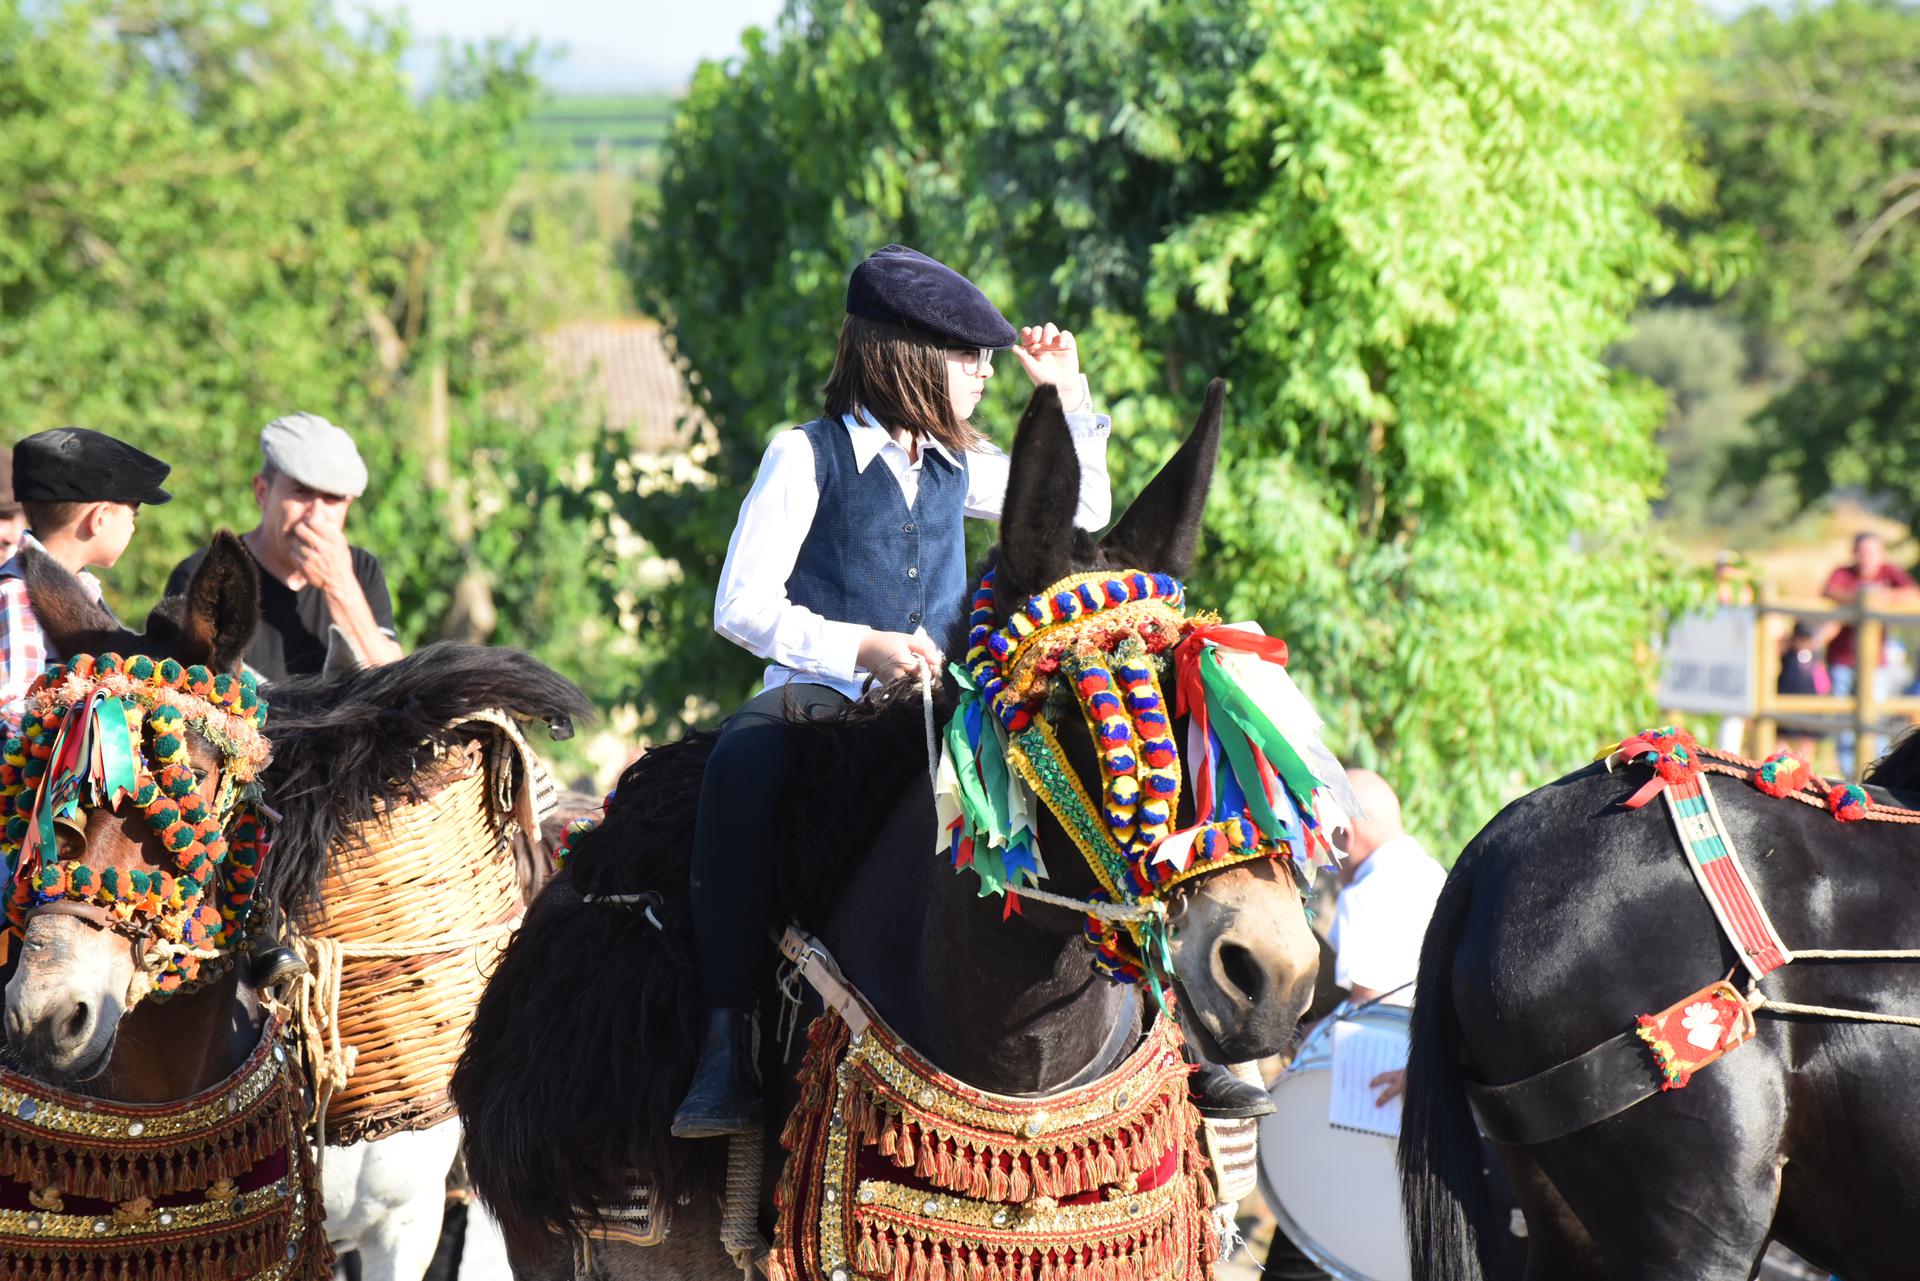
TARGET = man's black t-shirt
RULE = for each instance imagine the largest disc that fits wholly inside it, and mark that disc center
(292, 640)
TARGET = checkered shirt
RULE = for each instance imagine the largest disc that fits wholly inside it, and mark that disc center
(23, 649)
(24, 652)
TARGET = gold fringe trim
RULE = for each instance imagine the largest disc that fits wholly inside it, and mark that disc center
(983, 1178)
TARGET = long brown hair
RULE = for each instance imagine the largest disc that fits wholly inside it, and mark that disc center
(899, 376)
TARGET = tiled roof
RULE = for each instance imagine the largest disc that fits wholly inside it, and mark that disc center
(631, 376)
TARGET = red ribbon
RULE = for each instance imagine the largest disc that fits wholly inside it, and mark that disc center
(1190, 698)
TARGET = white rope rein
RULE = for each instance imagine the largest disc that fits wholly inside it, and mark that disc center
(926, 711)
(1760, 1003)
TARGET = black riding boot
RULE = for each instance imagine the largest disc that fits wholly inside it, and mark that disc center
(1223, 1096)
(725, 1095)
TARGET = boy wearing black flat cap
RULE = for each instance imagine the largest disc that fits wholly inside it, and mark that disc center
(82, 492)
(848, 564)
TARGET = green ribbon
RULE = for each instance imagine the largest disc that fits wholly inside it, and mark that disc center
(120, 774)
(1226, 698)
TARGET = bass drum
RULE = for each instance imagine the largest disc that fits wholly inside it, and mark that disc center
(1334, 1192)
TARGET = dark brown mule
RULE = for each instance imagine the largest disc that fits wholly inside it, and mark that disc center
(583, 1042)
(67, 997)
(343, 747)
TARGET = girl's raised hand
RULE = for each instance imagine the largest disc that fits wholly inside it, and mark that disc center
(1049, 355)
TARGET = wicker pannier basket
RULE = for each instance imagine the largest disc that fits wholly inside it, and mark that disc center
(412, 916)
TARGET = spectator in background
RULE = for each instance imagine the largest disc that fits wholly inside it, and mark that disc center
(1802, 672)
(13, 517)
(316, 590)
(1875, 580)
(1388, 886)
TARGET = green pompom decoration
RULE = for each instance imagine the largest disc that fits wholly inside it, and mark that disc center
(171, 672)
(149, 793)
(140, 667)
(16, 829)
(110, 881)
(161, 815)
(223, 686)
(189, 887)
(27, 799)
(181, 787)
(106, 664)
(47, 878)
(168, 746)
(35, 768)
(182, 838)
(81, 878)
(139, 880)
(198, 675)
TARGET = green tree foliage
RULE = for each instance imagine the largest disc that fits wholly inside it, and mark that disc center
(1700, 357)
(213, 212)
(1812, 126)
(1405, 230)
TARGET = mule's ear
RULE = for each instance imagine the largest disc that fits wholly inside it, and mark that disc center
(222, 607)
(73, 621)
(1043, 491)
(1162, 527)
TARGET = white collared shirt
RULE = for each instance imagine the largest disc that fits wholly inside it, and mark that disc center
(1381, 916)
(751, 608)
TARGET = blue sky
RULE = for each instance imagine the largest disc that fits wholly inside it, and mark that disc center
(651, 44)
(600, 46)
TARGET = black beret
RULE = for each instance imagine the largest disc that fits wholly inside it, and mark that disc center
(900, 286)
(75, 465)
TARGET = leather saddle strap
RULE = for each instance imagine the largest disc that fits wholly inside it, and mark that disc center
(1583, 1091)
(816, 965)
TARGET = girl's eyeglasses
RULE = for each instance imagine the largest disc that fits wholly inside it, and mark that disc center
(974, 360)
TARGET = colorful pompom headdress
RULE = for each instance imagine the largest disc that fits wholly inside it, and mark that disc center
(99, 731)
(1264, 785)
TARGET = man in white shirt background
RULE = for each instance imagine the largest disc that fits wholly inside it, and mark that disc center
(1388, 885)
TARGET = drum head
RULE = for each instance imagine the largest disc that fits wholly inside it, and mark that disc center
(1333, 1191)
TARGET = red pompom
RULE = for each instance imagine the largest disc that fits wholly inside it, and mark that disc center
(1848, 802)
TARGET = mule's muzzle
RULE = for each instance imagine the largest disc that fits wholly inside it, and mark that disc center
(65, 1001)
(1246, 962)
(60, 1041)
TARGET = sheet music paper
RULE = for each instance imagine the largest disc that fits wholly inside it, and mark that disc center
(1360, 1053)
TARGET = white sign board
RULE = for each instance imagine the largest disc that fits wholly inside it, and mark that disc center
(1708, 663)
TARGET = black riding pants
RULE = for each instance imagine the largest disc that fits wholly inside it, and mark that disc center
(736, 838)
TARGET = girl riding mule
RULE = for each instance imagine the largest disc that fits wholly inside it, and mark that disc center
(161, 1127)
(1067, 1151)
(1665, 1098)
(848, 564)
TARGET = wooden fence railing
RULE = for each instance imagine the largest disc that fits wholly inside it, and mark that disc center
(1866, 710)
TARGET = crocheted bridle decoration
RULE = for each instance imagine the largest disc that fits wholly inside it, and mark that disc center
(1104, 642)
(100, 731)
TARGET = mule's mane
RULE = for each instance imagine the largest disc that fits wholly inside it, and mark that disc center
(567, 1140)
(1899, 769)
(848, 764)
(346, 745)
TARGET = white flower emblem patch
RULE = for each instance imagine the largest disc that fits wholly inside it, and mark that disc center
(1702, 1022)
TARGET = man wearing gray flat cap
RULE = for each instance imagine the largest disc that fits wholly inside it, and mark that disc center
(317, 592)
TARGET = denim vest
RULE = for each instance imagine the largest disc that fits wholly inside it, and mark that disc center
(871, 559)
